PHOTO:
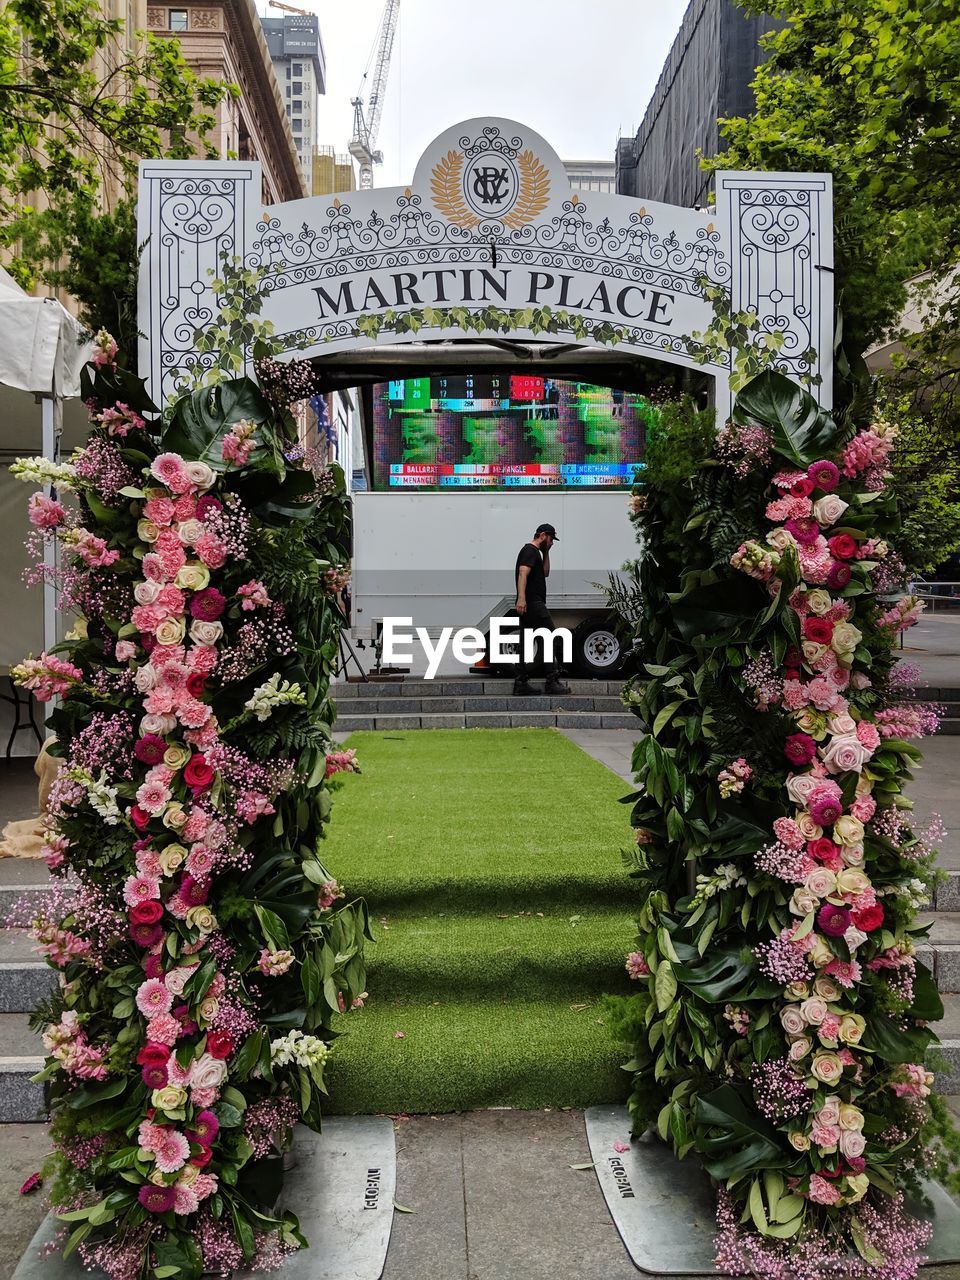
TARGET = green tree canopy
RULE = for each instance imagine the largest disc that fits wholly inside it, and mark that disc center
(81, 101)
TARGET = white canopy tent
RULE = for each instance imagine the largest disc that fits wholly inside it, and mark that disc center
(42, 350)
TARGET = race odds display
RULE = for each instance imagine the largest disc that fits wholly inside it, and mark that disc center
(506, 431)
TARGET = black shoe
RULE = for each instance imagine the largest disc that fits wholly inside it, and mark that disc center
(524, 689)
(556, 685)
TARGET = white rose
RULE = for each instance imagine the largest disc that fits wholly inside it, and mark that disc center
(853, 882)
(845, 638)
(208, 1072)
(852, 1143)
(791, 1019)
(799, 786)
(829, 1113)
(799, 1141)
(864, 785)
(849, 830)
(147, 531)
(192, 577)
(796, 991)
(171, 631)
(822, 882)
(171, 859)
(799, 1048)
(780, 539)
(829, 509)
(852, 854)
(209, 1008)
(826, 1067)
(813, 652)
(842, 724)
(146, 678)
(189, 531)
(854, 938)
(146, 592)
(814, 1011)
(205, 632)
(176, 979)
(200, 475)
(820, 954)
(809, 829)
(161, 725)
(845, 754)
(826, 988)
(819, 602)
(803, 902)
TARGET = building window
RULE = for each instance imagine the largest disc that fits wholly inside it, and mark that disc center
(298, 68)
(177, 19)
(297, 104)
(297, 87)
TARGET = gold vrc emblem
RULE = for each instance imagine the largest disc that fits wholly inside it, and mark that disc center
(481, 184)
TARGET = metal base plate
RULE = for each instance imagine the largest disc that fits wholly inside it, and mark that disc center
(341, 1188)
(665, 1209)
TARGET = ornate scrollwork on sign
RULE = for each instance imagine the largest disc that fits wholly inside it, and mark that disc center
(194, 215)
(780, 228)
(490, 178)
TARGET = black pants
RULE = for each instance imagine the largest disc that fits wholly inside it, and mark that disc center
(537, 615)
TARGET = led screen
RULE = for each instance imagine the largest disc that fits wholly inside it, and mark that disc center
(506, 431)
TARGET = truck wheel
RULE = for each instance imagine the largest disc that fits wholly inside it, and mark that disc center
(596, 649)
(498, 668)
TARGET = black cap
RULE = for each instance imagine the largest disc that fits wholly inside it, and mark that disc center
(547, 528)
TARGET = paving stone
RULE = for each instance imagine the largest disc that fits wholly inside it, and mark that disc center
(397, 722)
(492, 703)
(533, 720)
(396, 706)
(451, 721)
(623, 720)
(347, 724)
(947, 896)
(431, 1243)
(430, 706)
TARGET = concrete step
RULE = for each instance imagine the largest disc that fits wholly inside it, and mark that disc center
(478, 686)
(25, 977)
(21, 1056)
(512, 718)
(447, 705)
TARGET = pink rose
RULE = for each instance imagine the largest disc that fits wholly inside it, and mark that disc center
(845, 754)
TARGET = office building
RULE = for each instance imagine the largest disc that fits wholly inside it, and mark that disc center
(296, 51)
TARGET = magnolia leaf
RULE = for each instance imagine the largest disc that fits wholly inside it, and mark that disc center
(402, 1208)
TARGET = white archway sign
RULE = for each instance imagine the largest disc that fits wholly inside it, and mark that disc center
(490, 220)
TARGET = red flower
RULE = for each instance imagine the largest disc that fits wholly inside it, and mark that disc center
(817, 629)
(869, 918)
(146, 935)
(148, 643)
(833, 921)
(31, 1184)
(153, 966)
(197, 773)
(208, 605)
(822, 850)
(800, 748)
(802, 487)
(139, 817)
(148, 912)
(150, 749)
(153, 1055)
(843, 546)
(824, 474)
(154, 1077)
(793, 657)
(156, 1199)
(839, 575)
(195, 683)
(219, 1044)
(202, 1158)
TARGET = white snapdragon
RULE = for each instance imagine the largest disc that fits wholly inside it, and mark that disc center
(275, 693)
(299, 1050)
(103, 798)
(62, 475)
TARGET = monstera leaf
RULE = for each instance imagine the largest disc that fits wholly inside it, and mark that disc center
(719, 609)
(802, 431)
(203, 418)
(739, 1140)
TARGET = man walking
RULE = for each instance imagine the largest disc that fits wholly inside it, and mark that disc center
(532, 571)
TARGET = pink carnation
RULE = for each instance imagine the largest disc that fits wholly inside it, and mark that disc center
(163, 1028)
(822, 1191)
(170, 470)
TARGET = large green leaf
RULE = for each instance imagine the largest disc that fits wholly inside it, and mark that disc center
(927, 1005)
(801, 430)
(721, 608)
(892, 1044)
(739, 1140)
(723, 972)
(203, 418)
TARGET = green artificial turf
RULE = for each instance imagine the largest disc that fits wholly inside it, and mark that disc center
(491, 860)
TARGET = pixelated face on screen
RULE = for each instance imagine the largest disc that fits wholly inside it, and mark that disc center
(498, 431)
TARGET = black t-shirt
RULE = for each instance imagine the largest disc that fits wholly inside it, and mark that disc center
(536, 581)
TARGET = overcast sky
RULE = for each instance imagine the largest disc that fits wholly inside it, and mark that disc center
(580, 72)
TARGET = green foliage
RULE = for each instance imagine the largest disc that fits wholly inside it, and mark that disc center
(80, 106)
(709, 665)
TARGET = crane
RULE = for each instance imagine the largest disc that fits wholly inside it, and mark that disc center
(367, 126)
(289, 8)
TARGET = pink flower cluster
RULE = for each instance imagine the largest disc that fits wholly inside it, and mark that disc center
(121, 420)
(342, 762)
(238, 444)
(734, 777)
(66, 1041)
(46, 676)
